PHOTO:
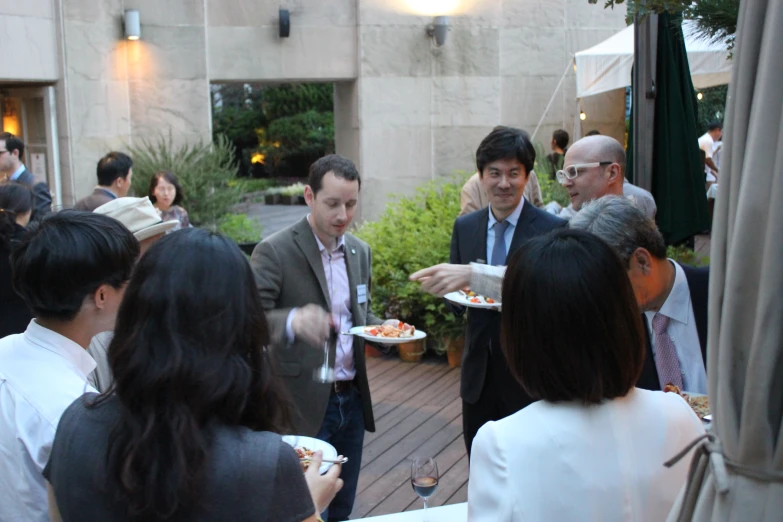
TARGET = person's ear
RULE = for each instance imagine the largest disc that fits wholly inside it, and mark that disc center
(309, 195)
(100, 297)
(641, 261)
(615, 173)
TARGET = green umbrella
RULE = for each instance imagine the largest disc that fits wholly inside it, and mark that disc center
(677, 172)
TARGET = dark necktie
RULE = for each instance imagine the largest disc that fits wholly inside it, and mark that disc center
(499, 249)
(666, 361)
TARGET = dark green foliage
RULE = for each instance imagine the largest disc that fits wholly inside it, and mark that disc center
(712, 107)
(240, 228)
(290, 99)
(205, 172)
(414, 232)
(309, 133)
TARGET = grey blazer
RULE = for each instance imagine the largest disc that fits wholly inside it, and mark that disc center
(98, 197)
(42, 197)
(289, 273)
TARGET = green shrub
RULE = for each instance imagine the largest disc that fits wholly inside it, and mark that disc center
(297, 189)
(685, 256)
(240, 228)
(413, 233)
(247, 185)
(310, 133)
(205, 172)
(551, 190)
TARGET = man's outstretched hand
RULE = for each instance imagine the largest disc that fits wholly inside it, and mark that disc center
(441, 279)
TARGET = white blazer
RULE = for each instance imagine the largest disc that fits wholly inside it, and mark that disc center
(570, 462)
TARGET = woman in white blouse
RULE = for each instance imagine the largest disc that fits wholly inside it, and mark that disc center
(593, 447)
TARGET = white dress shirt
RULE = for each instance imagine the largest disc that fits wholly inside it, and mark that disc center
(683, 332)
(570, 462)
(509, 234)
(707, 144)
(41, 374)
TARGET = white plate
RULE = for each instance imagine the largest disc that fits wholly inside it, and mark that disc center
(458, 298)
(418, 335)
(300, 441)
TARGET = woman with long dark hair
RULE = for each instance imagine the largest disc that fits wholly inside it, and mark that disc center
(16, 206)
(189, 430)
(166, 194)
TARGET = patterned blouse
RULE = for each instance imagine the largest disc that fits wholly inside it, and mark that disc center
(178, 213)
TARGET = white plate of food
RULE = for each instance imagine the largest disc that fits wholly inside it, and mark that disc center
(306, 446)
(699, 403)
(472, 300)
(388, 334)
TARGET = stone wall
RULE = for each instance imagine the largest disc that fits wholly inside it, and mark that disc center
(406, 110)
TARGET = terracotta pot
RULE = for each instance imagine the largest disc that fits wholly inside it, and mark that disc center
(411, 352)
(372, 351)
(454, 349)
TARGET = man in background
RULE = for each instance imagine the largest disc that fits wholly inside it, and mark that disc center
(115, 173)
(707, 143)
(12, 169)
(559, 145)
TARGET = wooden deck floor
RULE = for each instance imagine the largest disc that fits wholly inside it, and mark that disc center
(418, 412)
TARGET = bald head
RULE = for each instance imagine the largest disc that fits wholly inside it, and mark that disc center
(596, 181)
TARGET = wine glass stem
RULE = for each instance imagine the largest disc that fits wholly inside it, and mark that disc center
(425, 510)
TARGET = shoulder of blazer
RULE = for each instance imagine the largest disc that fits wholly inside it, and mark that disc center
(698, 282)
(286, 235)
(473, 219)
(545, 220)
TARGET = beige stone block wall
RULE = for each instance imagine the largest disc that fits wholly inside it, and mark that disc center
(29, 41)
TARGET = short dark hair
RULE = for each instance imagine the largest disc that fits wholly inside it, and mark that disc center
(341, 167)
(112, 166)
(67, 257)
(15, 199)
(714, 125)
(188, 353)
(561, 138)
(12, 143)
(171, 178)
(593, 132)
(571, 328)
(506, 143)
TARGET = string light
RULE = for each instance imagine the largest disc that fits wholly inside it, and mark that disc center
(699, 96)
(582, 116)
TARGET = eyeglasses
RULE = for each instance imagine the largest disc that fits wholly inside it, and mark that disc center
(572, 171)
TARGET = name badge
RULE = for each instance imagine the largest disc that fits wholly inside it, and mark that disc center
(361, 294)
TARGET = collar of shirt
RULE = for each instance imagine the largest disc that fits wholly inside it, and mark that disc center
(60, 345)
(677, 305)
(106, 189)
(512, 219)
(321, 246)
(18, 173)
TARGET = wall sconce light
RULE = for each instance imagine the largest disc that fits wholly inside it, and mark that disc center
(699, 96)
(582, 116)
(438, 29)
(285, 23)
(132, 24)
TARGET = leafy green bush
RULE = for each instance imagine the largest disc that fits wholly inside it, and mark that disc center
(413, 233)
(205, 172)
(297, 189)
(240, 228)
(290, 99)
(551, 190)
(310, 133)
(246, 185)
(686, 256)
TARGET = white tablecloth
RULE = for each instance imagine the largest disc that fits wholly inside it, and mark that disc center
(452, 513)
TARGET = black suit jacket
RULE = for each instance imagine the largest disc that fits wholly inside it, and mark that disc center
(42, 198)
(469, 244)
(699, 286)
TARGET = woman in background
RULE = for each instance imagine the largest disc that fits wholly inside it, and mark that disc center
(190, 429)
(16, 205)
(593, 447)
(166, 194)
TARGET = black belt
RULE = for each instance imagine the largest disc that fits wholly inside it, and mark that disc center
(342, 386)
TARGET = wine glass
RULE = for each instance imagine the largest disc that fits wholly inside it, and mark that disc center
(325, 374)
(424, 478)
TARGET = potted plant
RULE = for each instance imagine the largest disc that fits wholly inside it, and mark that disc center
(272, 196)
(242, 229)
(292, 194)
(449, 333)
(414, 232)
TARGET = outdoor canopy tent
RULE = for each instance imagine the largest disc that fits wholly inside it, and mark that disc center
(607, 66)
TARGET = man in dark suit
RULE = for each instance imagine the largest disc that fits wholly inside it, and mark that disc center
(12, 168)
(314, 277)
(115, 173)
(673, 298)
(504, 160)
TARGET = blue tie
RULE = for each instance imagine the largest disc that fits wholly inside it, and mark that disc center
(499, 249)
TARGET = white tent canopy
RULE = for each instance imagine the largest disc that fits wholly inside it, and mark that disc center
(607, 66)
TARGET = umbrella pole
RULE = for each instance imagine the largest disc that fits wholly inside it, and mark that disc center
(643, 98)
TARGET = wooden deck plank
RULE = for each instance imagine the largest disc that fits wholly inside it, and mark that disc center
(385, 474)
(385, 364)
(417, 374)
(460, 496)
(407, 418)
(391, 402)
(394, 373)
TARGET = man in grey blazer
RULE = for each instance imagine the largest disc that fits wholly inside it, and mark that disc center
(314, 278)
(115, 174)
(12, 169)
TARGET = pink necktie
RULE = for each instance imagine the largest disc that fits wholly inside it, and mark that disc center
(666, 360)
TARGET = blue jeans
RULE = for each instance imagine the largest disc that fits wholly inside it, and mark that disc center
(343, 428)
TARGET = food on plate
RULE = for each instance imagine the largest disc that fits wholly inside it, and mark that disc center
(304, 453)
(699, 404)
(473, 297)
(391, 331)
